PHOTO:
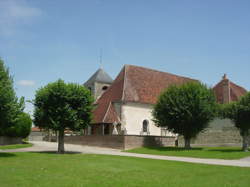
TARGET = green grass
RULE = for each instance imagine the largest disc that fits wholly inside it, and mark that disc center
(202, 152)
(15, 146)
(49, 169)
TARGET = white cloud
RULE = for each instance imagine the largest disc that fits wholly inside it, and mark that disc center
(14, 13)
(26, 83)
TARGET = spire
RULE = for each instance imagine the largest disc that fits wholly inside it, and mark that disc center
(100, 60)
(99, 76)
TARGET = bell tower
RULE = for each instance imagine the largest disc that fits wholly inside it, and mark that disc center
(98, 83)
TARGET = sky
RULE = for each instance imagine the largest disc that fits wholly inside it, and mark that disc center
(44, 40)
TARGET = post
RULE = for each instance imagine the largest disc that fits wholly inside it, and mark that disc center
(114, 129)
(103, 129)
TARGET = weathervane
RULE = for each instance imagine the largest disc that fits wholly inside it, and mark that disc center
(100, 58)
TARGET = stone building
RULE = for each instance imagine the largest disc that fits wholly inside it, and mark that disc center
(126, 106)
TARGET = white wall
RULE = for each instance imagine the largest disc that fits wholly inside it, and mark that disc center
(133, 115)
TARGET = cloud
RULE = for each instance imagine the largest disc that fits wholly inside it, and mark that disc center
(14, 13)
(26, 83)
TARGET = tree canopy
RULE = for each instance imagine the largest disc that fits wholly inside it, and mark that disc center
(11, 109)
(186, 109)
(60, 105)
(239, 113)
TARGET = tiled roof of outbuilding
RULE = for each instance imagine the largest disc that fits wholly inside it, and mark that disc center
(236, 91)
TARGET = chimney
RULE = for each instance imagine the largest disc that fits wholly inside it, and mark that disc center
(226, 89)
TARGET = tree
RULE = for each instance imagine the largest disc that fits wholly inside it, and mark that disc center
(10, 107)
(60, 105)
(186, 109)
(239, 113)
(21, 127)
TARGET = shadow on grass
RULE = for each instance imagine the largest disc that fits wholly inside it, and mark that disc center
(7, 155)
(226, 150)
(179, 149)
(24, 142)
(55, 152)
(174, 148)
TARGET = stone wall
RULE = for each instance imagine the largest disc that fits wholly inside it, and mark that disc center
(36, 136)
(98, 89)
(120, 141)
(219, 133)
(131, 142)
(115, 142)
(4, 140)
(215, 138)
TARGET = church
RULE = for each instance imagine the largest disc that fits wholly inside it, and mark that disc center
(124, 106)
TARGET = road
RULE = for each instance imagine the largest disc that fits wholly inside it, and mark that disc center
(39, 146)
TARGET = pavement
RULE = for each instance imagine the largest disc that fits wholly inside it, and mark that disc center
(39, 146)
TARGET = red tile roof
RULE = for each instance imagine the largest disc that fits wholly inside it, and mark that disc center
(236, 91)
(35, 129)
(134, 84)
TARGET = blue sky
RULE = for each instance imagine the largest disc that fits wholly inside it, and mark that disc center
(44, 40)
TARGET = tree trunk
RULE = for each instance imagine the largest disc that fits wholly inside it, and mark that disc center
(61, 142)
(187, 143)
(245, 142)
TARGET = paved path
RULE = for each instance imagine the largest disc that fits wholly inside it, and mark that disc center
(50, 146)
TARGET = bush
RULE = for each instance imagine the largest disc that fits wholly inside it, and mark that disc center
(22, 126)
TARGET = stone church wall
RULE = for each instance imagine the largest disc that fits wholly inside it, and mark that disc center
(98, 89)
(133, 115)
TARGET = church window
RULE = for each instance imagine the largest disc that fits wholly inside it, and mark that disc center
(104, 88)
(145, 125)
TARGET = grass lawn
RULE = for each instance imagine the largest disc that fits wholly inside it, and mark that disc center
(49, 169)
(203, 152)
(16, 146)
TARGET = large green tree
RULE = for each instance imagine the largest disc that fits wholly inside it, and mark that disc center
(239, 113)
(10, 107)
(61, 105)
(186, 109)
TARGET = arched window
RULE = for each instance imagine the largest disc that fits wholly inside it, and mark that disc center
(145, 126)
(104, 88)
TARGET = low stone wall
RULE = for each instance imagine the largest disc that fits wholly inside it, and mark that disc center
(229, 137)
(4, 140)
(120, 141)
(220, 132)
(115, 142)
(131, 142)
(36, 136)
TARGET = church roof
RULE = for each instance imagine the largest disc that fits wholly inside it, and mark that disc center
(134, 84)
(99, 76)
(235, 90)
